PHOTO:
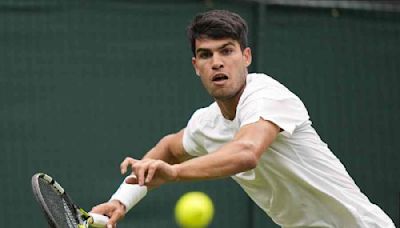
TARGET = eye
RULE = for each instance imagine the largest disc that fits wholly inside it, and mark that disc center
(226, 51)
(205, 55)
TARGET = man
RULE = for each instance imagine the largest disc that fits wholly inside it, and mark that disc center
(257, 132)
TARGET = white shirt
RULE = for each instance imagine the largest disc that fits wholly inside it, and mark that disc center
(298, 181)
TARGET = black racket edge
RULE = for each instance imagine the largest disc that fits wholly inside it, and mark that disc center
(75, 209)
(39, 198)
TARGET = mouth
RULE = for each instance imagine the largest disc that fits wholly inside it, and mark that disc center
(219, 77)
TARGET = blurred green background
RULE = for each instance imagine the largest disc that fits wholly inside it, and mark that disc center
(84, 84)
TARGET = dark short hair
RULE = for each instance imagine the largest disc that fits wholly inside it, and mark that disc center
(217, 24)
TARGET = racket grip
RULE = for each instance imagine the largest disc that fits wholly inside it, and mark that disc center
(129, 194)
(98, 220)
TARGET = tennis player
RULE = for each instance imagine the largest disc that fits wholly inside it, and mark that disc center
(257, 132)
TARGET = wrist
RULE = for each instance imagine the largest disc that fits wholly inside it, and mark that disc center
(177, 169)
(118, 204)
(129, 195)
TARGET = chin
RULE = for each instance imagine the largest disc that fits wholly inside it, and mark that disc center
(222, 97)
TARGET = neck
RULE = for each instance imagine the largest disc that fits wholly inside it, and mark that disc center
(228, 109)
(228, 106)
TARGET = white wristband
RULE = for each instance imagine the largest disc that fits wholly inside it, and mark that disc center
(129, 194)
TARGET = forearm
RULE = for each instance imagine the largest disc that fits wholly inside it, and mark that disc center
(232, 158)
(169, 149)
(239, 155)
(161, 151)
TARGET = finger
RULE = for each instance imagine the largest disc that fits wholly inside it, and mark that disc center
(131, 180)
(124, 164)
(128, 161)
(111, 225)
(116, 216)
(102, 209)
(139, 164)
(151, 171)
(140, 169)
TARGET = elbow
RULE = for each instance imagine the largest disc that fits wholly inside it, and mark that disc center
(249, 158)
(250, 161)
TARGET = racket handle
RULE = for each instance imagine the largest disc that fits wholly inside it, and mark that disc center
(98, 220)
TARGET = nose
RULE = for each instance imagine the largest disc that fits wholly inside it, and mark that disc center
(217, 62)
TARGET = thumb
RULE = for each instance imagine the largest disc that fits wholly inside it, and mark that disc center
(116, 216)
(101, 209)
(131, 180)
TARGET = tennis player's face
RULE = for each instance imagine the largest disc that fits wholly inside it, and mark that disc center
(222, 67)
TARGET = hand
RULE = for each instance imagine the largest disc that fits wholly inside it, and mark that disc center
(114, 209)
(149, 172)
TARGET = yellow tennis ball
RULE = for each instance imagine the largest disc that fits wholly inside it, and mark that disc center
(194, 210)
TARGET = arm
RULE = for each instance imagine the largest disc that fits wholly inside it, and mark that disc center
(161, 164)
(241, 154)
(168, 151)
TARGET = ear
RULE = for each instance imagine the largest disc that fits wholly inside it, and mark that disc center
(194, 66)
(247, 55)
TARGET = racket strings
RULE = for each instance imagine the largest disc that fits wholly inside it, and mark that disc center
(61, 211)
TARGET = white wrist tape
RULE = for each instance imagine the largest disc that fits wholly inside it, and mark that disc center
(129, 194)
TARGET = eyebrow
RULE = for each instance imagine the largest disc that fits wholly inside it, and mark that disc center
(218, 48)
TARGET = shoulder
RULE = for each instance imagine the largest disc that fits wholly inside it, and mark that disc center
(204, 116)
(263, 86)
(199, 125)
(266, 98)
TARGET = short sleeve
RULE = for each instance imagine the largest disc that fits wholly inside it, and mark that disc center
(265, 98)
(192, 136)
(287, 112)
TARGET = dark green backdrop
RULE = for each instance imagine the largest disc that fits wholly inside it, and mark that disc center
(85, 83)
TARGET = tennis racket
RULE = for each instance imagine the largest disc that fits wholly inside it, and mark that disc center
(60, 211)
